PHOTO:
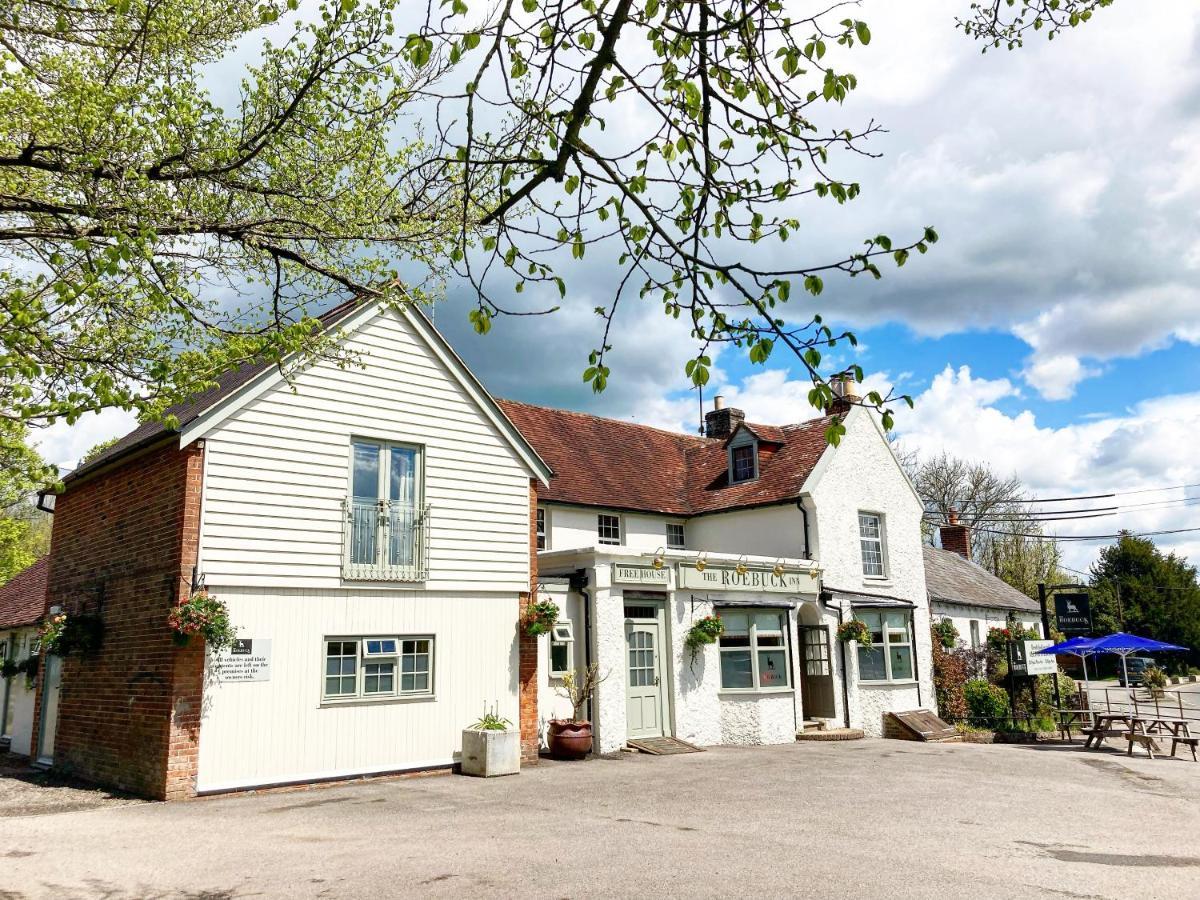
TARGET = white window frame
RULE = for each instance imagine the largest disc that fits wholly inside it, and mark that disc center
(541, 522)
(600, 517)
(381, 569)
(364, 658)
(886, 632)
(881, 540)
(739, 445)
(754, 649)
(682, 543)
(562, 633)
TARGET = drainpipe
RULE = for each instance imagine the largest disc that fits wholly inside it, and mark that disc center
(804, 515)
(579, 582)
(845, 671)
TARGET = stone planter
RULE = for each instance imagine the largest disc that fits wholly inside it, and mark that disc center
(491, 753)
(569, 740)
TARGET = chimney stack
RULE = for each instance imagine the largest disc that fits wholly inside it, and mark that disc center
(723, 420)
(845, 393)
(955, 536)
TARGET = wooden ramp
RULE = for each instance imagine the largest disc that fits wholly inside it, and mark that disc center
(918, 725)
(663, 746)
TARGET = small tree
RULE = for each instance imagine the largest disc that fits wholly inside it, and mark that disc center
(949, 680)
(580, 691)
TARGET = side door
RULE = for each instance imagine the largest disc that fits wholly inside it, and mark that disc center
(644, 682)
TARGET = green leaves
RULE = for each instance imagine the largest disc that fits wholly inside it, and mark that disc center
(481, 320)
(698, 370)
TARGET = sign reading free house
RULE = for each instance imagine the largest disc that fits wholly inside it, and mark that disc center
(249, 659)
(726, 578)
(638, 574)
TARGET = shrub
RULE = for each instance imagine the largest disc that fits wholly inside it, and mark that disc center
(540, 617)
(945, 633)
(949, 678)
(1068, 693)
(1155, 679)
(985, 701)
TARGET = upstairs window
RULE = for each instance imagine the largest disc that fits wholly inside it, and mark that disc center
(385, 525)
(743, 463)
(608, 529)
(870, 539)
(541, 528)
(676, 539)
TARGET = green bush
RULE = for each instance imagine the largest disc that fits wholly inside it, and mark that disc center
(985, 701)
(1068, 692)
(945, 633)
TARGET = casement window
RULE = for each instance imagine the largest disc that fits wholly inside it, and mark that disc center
(386, 527)
(375, 668)
(562, 646)
(608, 529)
(890, 658)
(754, 650)
(743, 463)
(541, 528)
(870, 539)
(676, 539)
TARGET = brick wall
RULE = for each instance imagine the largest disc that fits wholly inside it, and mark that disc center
(124, 545)
(528, 650)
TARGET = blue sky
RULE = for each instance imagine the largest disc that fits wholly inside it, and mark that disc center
(1052, 332)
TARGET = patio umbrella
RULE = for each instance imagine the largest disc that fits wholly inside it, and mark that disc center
(1083, 648)
(1125, 644)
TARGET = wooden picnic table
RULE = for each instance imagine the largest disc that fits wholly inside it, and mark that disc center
(1143, 729)
(1103, 726)
(1068, 718)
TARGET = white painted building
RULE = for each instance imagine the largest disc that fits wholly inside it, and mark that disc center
(21, 602)
(642, 532)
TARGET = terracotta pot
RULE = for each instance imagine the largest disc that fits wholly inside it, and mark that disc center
(569, 740)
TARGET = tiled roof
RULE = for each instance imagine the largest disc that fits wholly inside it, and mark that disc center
(952, 578)
(190, 409)
(23, 598)
(622, 465)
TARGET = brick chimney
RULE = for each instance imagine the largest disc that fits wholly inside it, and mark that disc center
(956, 537)
(845, 392)
(723, 420)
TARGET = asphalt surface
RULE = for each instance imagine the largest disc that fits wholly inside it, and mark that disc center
(864, 818)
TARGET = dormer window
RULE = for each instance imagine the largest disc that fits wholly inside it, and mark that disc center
(743, 463)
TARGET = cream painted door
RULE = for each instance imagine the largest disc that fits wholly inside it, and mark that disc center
(51, 680)
(644, 682)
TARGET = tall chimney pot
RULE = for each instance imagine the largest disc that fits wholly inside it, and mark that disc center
(718, 402)
(955, 536)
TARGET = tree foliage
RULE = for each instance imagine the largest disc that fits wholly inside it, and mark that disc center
(1006, 23)
(1159, 594)
(152, 238)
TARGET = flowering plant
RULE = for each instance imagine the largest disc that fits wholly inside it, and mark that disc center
(64, 635)
(855, 630)
(51, 630)
(205, 615)
(703, 631)
(539, 617)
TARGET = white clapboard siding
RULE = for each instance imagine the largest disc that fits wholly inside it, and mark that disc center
(277, 472)
(274, 731)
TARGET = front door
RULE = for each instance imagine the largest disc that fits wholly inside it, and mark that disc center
(644, 688)
(49, 720)
(816, 673)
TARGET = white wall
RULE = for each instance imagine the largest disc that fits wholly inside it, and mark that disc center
(21, 699)
(278, 470)
(574, 527)
(962, 615)
(552, 701)
(765, 531)
(861, 474)
(278, 730)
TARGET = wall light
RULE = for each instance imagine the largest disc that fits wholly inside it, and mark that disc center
(659, 560)
(742, 568)
(701, 562)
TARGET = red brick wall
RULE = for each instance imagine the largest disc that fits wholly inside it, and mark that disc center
(123, 546)
(527, 650)
(957, 539)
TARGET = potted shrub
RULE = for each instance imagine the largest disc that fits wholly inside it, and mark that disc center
(572, 738)
(491, 747)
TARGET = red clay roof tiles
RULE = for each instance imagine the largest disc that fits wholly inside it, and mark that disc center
(23, 598)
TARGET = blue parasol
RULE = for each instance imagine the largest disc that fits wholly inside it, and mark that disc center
(1083, 648)
(1125, 644)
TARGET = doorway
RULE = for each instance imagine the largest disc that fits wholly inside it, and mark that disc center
(51, 681)
(816, 670)
(645, 681)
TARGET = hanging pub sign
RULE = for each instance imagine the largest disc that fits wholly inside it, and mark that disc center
(1074, 614)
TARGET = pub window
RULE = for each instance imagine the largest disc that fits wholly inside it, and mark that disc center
(608, 529)
(562, 641)
(870, 539)
(890, 658)
(377, 668)
(676, 539)
(754, 650)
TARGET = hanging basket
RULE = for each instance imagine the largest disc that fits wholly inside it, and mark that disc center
(855, 630)
(539, 617)
(704, 631)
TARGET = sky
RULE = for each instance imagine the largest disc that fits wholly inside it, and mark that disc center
(1052, 332)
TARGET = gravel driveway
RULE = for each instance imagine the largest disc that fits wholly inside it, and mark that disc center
(25, 791)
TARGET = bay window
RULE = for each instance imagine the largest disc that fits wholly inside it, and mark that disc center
(754, 650)
(890, 658)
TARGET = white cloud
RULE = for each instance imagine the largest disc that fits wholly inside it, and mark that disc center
(64, 444)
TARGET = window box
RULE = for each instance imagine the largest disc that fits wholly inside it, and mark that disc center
(489, 753)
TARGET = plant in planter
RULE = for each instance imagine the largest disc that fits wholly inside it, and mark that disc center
(539, 617)
(202, 614)
(704, 631)
(1155, 680)
(855, 630)
(572, 738)
(491, 747)
(50, 632)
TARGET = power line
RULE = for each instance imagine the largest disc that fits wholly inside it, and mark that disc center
(1091, 537)
(1173, 487)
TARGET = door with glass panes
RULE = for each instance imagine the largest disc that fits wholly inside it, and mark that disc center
(645, 681)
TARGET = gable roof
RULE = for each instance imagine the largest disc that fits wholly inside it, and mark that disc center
(952, 578)
(615, 464)
(23, 598)
(198, 413)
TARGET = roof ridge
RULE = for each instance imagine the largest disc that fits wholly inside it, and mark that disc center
(697, 440)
